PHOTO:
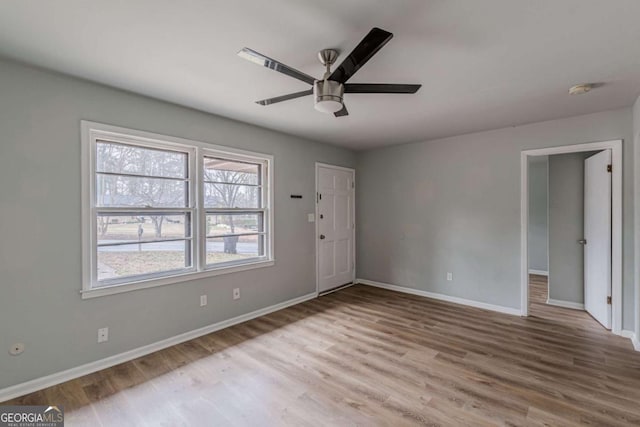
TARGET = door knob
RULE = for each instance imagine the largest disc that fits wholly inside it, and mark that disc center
(582, 241)
(322, 237)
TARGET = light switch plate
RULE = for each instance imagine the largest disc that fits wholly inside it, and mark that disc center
(311, 217)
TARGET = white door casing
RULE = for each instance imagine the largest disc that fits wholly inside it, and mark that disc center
(597, 233)
(616, 220)
(335, 226)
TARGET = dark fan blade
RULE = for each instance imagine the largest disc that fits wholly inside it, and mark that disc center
(380, 88)
(265, 61)
(342, 112)
(368, 47)
(285, 97)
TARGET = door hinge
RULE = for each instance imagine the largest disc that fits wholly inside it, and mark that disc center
(353, 184)
(609, 168)
(318, 197)
(609, 300)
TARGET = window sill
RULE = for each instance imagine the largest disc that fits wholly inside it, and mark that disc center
(169, 280)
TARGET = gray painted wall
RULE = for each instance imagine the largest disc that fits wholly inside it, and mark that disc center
(423, 209)
(566, 227)
(453, 204)
(40, 256)
(538, 214)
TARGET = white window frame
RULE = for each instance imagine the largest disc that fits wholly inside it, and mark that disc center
(91, 132)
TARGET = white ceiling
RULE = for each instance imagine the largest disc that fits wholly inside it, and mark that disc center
(483, 64)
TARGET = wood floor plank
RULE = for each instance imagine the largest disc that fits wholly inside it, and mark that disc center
(368, 356)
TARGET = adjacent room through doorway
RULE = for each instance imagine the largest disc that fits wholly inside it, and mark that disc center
(569, 236)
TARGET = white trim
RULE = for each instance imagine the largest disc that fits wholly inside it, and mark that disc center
(566, 304)
(539, 272)
(79, 371)
(170, 280)
(636, 198)
(625, 333)
(340, 168)
(632, 336)
(86, 220)
(140, 135)
(616, 215)
(548, 222)
(441, 297)
(196, 150)
(524, 234)
(317, 222)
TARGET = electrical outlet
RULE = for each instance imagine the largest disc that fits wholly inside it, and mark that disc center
(449, 277)
(16, 349)
(203, 300)
(103, 334)
(236, 293)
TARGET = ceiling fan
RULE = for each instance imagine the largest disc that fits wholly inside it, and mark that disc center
(329, 91)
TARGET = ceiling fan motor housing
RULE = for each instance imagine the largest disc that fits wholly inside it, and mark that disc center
(328, 95)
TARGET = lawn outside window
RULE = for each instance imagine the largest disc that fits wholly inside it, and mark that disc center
(160, 210)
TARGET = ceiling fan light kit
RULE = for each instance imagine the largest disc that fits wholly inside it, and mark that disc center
(328, 92)
(328, 96)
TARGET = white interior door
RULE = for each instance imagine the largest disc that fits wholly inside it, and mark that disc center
(597, 233)
(335, 227)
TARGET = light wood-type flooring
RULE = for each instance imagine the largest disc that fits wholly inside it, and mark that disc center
(538, 307)
(367, 356)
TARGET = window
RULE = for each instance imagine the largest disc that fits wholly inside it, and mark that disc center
(234, 205)
(143, 212)
(159, 210)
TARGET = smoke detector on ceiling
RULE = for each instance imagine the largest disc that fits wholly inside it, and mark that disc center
(580, 89)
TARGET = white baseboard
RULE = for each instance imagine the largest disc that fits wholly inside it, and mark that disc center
(633, 337)
(442, 297)
(566, 304)
(539, 272)
(70, 374)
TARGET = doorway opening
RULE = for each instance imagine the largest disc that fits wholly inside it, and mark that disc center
(561, 265)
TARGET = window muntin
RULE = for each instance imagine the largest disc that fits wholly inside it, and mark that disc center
(227, 171)
(235, 223)
(219, 195)
(132, 191)
(129, 227)
(247, 247)
(147, 210)
(140, 261)
(126, 159)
